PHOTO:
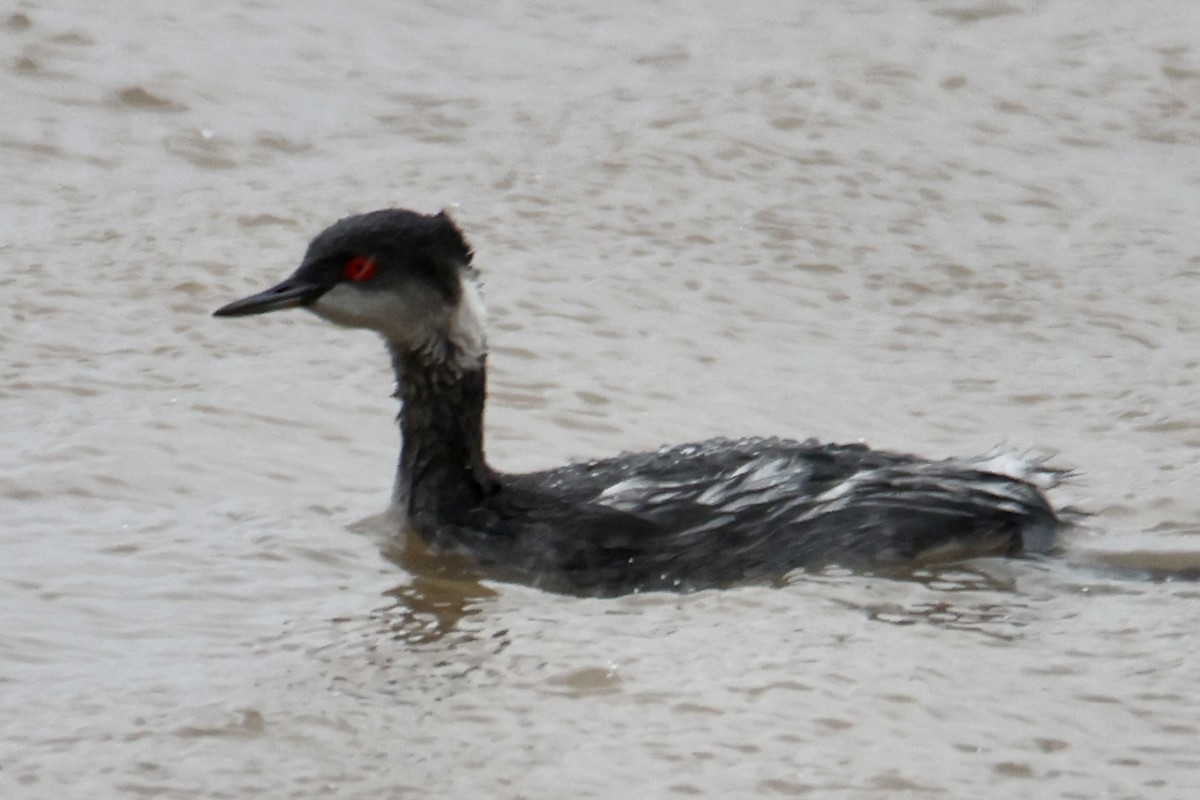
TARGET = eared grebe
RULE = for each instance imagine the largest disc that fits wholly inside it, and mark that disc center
(686, 517)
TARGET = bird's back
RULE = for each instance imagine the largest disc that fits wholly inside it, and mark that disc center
(720, 511)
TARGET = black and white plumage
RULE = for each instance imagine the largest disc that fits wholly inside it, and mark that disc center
(686, 517)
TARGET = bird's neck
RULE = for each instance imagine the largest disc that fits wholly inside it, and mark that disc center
(442, 467)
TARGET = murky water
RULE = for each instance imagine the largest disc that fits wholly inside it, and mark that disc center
(937, 226)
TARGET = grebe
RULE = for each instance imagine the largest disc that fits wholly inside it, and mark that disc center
(698, 515)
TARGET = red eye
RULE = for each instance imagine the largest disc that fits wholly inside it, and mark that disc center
(359, 268)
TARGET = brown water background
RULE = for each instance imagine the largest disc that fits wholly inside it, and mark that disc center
(937, 226)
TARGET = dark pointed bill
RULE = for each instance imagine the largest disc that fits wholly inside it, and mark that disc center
(289, 294)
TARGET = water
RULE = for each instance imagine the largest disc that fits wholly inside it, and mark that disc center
(937, 226)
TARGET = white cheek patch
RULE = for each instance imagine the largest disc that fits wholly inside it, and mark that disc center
(416, 318)
(407, 319)
(352, 307)
(341, 306)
